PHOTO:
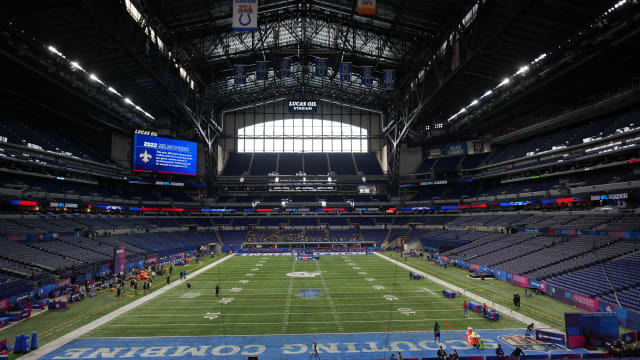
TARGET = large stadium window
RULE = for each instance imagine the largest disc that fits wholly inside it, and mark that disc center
(302, 135)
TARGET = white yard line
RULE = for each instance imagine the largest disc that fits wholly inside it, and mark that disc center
(429, 322)
(53, 345)
(338, 297)
(287, 307)
(228, 306)
(265, 335)
(503, 310)
(332, 306)
(199, 316)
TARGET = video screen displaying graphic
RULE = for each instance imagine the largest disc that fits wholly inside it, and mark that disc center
(163, 155)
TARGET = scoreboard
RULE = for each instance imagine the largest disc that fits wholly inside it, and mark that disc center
(163, 155)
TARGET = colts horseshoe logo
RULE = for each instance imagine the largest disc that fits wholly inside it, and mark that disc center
(248, 21)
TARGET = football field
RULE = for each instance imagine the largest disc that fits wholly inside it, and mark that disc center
(263, 295)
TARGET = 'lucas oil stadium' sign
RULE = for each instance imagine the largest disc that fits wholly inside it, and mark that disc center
(296, 106)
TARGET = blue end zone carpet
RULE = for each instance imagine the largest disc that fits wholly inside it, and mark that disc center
(359, 346)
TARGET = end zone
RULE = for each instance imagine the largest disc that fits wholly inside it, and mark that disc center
(355, 346)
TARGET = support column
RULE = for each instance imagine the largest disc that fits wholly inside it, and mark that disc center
(394, 168)
(211, 166)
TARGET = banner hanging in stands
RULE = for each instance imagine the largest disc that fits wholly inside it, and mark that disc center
(322, 67)
(367, 75)
(285, 68)
(119, 260)
(262, 70)
(366, 7)
(239, 74)
(455, 149)
(245, 15)
(345, 71)
(389, 79)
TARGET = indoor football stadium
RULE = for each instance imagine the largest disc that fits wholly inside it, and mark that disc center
(319, 180)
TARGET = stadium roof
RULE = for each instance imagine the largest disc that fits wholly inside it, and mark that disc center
(186, 57)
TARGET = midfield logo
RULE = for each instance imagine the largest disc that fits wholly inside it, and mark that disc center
(309, 293)
(304, 274)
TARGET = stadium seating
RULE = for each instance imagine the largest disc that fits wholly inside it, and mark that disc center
(375, 235)
(232, 237)
(425, 166)
(12, 287)
(447, 164)
(628, 298)
(25, 254)
(473, 161)
(263, 164)
(334, 221)
(316, 164)
(342, 164)
(22, 133)
(70, 251)
(316, 235)
(367, 163)
(344, 235)
(289, 164)
(600, 128)
(17, 269)
(303, 221)
(237, 164)
(361, 220)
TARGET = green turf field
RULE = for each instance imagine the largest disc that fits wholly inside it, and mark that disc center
(353, 294)
(540, 307)
(51, 325)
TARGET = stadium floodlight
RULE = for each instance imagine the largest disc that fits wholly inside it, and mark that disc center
(489, 92)
(505, 81)
(75, 65)
(242, 179)
(364, 179)
(329, 179)
(522, 70)
(55, 51)
(540, 57)
(323, 203)
(474, 102)
(128, 101)
(277, 179)
(93, 77)
(112, 90)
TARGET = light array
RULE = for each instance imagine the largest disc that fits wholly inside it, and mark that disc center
(523, 70)
(93, 77)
